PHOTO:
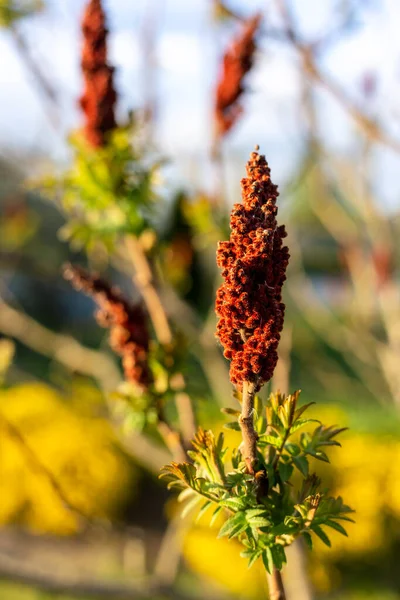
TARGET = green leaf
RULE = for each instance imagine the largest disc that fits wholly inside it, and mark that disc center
(253, 559)
(233, 524)
(308, 539)
(300, 410)
(252, 555)
(283, 416)
(278, 556)
(320, 455)
(231, 411)
(293, 449)
(337, 526)
(321, 534)
(233, 503)
(179, 474)
(232, 425)
(234, 478)
(301, 463)
(259, 522)
(268, 560)
(302, 423)
(240, 528)
(255, 512)
(285, 471)
(271, 440)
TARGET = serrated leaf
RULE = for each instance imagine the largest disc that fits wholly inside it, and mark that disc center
(252, 555)
(237, 521)
(301, 463)
(268, 560)
(321, 534)
(259, 522)
(234, 478)
(234, 503)
(255, 512)
(308, 539)
(253, 559)
(301, 423)
(337, 526)
(238, 530)
(271, 440)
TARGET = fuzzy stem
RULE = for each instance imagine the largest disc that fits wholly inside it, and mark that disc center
(275, 585)
(246, 422)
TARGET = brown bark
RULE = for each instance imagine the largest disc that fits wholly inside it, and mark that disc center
(275, 586)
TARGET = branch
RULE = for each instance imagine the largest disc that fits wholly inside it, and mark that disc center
(275, 585)
(62, 348)
(311, 68)
(246, 421)
(75, 357)
(43, 82)
(144, 280)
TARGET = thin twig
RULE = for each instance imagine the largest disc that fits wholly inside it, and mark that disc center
(43, 82)
(306, 52)
(62, 348)
(144, 280)
(79, 359)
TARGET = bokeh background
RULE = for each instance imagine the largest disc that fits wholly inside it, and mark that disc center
(82, 513)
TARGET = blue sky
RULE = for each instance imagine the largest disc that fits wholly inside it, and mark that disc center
(187, 52)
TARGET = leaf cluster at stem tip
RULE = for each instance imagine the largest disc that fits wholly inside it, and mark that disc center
(267, 511)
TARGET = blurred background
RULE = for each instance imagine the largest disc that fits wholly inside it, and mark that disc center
(82, 513)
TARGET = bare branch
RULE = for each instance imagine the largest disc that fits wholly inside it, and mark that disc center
(310, 67)
(62, 348)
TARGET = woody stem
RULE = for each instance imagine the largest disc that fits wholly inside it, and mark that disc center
(275, 585)
(246, 422)
(145, 281)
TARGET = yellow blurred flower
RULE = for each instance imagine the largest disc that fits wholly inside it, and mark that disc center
(219, 561)
(77, 449)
